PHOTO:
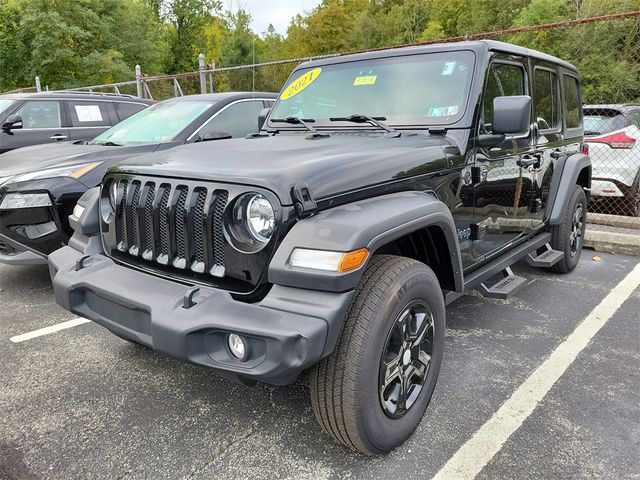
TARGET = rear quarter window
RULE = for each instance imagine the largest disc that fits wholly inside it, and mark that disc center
(125, 110)
(571, 102)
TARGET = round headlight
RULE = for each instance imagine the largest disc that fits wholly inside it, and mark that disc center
(113, 193)
(260, 218)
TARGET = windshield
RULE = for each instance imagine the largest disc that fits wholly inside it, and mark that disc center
(597, 122)
(5, 103)
(426, 89)
(159, 123)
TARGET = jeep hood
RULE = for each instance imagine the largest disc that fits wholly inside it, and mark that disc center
(41, 157)
(338, 164)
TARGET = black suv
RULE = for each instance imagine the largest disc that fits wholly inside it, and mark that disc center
(49, 117)
(383, 186)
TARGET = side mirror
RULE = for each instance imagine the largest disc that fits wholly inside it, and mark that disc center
(216, 135)
(511, 115)
(12, 122)
(262, 117)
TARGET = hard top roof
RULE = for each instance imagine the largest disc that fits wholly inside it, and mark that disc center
(480, 46)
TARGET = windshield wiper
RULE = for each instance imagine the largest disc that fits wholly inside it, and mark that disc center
(591, 132)
(108, 144)
(315, 134)
(375, 121)
(297, 121)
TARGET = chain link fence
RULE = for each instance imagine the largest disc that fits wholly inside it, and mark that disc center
(610, 75)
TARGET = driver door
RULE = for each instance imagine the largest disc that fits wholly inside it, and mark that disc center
(42, 122)
(503, 193)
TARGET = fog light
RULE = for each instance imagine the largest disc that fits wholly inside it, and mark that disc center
(237, 346)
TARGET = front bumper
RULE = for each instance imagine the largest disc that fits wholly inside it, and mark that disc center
(13, 253)
(288, 331)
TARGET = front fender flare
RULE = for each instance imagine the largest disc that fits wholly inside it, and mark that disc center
(370, 224)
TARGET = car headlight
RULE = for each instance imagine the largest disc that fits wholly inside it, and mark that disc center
(25, 200)
(72, 171)
(113, 193)
(260, 218)
(252, 222)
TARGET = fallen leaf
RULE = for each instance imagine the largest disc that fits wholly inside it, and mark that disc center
(596, 258)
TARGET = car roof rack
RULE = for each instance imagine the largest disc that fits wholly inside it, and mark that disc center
(84, 92)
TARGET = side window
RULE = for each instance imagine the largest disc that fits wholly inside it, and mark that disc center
(504, 80)
(125, 110)
(40, 114)
(571, 102)
(545, 103)
(88, 114)
(238, 120)
(638, 119)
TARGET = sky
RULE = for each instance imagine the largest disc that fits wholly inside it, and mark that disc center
(276, 12)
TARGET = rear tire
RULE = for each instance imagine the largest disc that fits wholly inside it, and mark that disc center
(392, 342)
(568, 236)
(633, 201)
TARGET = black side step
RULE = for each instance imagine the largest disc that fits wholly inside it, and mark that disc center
(485, 272)
(505, 288)
(548, 258)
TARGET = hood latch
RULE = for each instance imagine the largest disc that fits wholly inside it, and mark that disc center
(304, 203)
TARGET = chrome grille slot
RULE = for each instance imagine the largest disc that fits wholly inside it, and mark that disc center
(163, 224)
(121, 215)
(171, 224)
(131, 219)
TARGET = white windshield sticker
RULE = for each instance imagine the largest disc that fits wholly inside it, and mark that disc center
(88, 113)
(442, 111)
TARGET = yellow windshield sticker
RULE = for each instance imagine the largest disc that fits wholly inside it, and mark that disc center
(300, 83)
(365, 80)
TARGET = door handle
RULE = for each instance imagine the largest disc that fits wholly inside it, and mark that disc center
(556, 154)
(527, 161)
(58, 136)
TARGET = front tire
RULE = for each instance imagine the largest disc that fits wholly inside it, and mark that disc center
(371, 393)
(568, 236)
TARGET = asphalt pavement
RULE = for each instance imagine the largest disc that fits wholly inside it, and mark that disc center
(82, 403)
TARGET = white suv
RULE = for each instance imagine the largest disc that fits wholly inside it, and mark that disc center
(613, 135)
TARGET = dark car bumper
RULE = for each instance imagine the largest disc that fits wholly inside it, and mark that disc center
(288, 331)
(13, 253)
(38, 230)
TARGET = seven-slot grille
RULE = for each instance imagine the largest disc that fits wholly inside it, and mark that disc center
(172, 224)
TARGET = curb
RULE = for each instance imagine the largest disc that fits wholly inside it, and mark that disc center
(617, 221)
(612, 242)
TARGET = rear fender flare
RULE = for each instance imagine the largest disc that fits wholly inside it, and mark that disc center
(370, 224)
(565, 177)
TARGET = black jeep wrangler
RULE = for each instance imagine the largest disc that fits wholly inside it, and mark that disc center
(383, 186)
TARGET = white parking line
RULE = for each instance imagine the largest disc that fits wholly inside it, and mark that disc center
(47, 330)
(472, 457)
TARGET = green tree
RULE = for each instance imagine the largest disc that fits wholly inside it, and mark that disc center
(187, 19)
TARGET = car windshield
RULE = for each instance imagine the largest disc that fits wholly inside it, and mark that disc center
(425, 89)
(601, 121)
(159, 123)
(5, 103)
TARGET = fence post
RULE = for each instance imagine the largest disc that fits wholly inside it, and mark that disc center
(139, 81)
(201, 67)
(38, 88)
(213, 68)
